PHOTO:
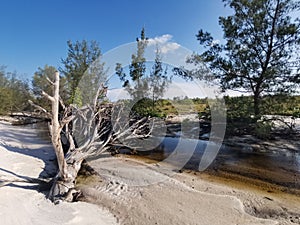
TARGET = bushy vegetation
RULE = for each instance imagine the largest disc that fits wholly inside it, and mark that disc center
(239, 111)
(14, 93)
(241, 116)
(284, 105)
(166, 107)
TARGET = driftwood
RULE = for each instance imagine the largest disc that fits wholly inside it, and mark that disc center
(34, 115)
(89, 131)
(23, 118)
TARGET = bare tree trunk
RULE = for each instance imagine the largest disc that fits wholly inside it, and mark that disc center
(65, 179)
(256, 106)
(56, 129)
(64, 189)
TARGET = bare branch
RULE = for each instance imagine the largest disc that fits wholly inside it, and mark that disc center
(62, 103)
(49, 80)
(65, 121)
(48, 96)
(40, 108)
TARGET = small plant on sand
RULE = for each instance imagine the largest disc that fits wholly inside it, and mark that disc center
(263, 129)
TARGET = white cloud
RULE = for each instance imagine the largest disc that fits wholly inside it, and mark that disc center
(169, 47)
(164, 42)
(160, 39)
(117, 94)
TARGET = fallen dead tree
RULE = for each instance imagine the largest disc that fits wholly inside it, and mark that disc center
(34, 115)
(89, 130)
(24, 118)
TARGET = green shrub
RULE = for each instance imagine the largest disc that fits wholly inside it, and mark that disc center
(263, 129)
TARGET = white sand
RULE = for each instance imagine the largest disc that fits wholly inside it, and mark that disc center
(24, 154)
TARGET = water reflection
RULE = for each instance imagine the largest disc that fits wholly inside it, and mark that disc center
(278, 167)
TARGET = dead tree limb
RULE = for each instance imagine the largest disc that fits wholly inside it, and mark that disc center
(89, 131)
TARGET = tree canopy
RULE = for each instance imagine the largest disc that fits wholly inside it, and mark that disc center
(41, 81)
(80, 56)
(262, 41)
(135, 82)
(144, 84)
(14, 92)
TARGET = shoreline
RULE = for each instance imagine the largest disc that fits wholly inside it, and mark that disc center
(223, 178)
(284, 180)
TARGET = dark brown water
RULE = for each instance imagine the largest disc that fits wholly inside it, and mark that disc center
(281, 167)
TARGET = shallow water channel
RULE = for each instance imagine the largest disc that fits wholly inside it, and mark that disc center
(279, 166)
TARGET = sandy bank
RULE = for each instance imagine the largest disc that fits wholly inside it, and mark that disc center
(138, 194)
(23, 155)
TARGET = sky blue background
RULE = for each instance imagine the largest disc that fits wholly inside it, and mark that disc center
(34, 33)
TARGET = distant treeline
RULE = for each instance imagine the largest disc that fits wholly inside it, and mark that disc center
(240, 107)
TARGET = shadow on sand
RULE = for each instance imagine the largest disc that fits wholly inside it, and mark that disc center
(33, 141)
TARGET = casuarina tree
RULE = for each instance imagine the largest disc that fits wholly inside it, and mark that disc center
(80, 58)
(262, 39)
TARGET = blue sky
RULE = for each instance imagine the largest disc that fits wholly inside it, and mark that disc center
(34, 33)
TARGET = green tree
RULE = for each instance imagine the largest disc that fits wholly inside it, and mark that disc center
(94, 77)
(262, 40)
(144, 87)
(158, 80)
(136, 82)
(81, 55)
(5, 92)
(14, 92)
(3, 78)
(20, 92)
(41, 81)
